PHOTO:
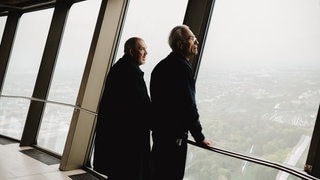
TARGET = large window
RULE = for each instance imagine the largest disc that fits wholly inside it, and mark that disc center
(68, 72)
(153, 25)
(22, 70)
(258, 87)
(206, 165)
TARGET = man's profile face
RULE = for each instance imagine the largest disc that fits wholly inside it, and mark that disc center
(190, 44)
(140, 52)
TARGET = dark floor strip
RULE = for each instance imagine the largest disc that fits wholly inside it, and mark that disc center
(5, 141)
(41, 156)
(84, 176)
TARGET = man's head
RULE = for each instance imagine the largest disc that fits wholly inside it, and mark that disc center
(183, 41)
(137, 49)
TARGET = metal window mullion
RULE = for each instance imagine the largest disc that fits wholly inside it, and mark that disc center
(313, 159)
(45, 73)
(197, 17)
(80, 137)
(7, 43)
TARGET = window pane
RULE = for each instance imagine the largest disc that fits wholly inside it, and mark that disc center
(2, 25)
(259, 82)
(153, 26)
(54, 127)
(22, 70)
(68, 73)
(73, 52)
(210, 165)
(144, 22)
(27, 53)
(13, 113)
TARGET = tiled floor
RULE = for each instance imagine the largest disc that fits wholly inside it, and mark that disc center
(17, 163)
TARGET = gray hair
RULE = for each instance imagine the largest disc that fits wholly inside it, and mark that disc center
(176, 36)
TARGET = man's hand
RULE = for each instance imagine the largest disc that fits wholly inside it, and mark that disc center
(207, 142)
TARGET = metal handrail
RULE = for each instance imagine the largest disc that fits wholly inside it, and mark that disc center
(52, 102)
(288, 169)
(285, 168)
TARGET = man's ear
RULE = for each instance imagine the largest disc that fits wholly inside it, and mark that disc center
(180, 45)
(131, 52)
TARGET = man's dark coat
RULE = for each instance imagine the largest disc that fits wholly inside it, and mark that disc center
(172, 89)
(122, 142)
(175, 114)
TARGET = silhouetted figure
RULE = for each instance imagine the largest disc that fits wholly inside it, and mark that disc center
(122, 142)
(172, 90)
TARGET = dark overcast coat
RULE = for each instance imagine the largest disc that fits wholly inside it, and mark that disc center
(172, 91)
(122, 142)
(175, 113)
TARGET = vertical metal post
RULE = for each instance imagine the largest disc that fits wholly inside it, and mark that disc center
(44, 77)
(313, 160)
(101, 55)
(198, 17)
(7, 43)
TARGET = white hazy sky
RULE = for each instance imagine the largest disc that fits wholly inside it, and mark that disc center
(246, 31)
(265, 31)
(255, 32)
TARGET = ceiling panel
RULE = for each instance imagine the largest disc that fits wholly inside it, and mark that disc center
(7, 5)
